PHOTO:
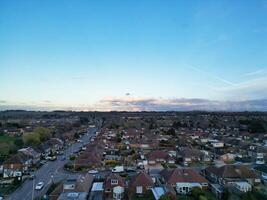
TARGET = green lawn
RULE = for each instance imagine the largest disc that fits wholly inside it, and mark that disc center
(6, 138)
(167, 165)
(7, 144)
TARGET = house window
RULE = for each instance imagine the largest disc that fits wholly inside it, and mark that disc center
(139, 189)
(114, 181)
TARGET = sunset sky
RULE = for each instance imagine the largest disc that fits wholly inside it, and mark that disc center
(133, 55)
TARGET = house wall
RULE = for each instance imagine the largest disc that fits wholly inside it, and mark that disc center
(185, 188)
(13, 166)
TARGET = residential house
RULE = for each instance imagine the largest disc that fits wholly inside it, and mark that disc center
(89, 160)
(158, 156)
(229, 174)
(262, 170)
(189, 155)
(97, 191)
(242, 187)
(140, 183)
(114, 186)
(112, 154)
(36, 156)
(228, 157)
(45, 148)
(183, 179)
(56, 144)
(16, 165)
(77, 188)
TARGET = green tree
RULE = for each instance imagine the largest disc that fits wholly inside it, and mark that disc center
(248, 196)
(197, 192)
(167, 196)
(118, 137)
(226, 195)
(201, 197)
(19, 143)
(44, 133)
(171, 131)
(31, 138)
(76, 135)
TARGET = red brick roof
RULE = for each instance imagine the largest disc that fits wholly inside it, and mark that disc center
(232, 171)
(141, 179)
(182, 175)
(157, 154)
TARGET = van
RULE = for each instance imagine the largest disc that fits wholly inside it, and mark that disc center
(118, 169)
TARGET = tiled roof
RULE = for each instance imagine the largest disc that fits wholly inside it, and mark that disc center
(17, 158)
(157, 154)
(232, 171)
(182, 175)
(141, 179)
(188, 152)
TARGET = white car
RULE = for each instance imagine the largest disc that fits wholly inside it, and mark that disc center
(39, 186)
(93, 172)
(118, 169)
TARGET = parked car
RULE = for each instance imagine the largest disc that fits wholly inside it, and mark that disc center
(32, 176)
(39, 186)
(60, 152)
(43, 162)
(83, 148)
(118, 169)
(130, 169)
(93, 171)
(62, 158)
(51, 158)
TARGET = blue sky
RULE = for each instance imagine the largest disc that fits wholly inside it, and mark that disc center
(86, 54)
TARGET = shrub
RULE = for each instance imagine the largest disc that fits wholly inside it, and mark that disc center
(111, 163)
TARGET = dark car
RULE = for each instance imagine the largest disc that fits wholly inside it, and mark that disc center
(62, 158)
(130, 169)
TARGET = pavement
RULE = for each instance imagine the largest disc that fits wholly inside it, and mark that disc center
(50, 172)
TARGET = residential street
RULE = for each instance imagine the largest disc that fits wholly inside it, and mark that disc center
(49, 172)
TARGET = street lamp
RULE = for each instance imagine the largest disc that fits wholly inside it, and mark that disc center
(52, 177)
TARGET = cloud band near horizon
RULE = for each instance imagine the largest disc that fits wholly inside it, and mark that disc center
(148, 104)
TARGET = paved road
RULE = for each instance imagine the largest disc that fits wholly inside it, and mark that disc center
(51, 171)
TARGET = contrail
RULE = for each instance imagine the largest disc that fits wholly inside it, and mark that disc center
(211, 75)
